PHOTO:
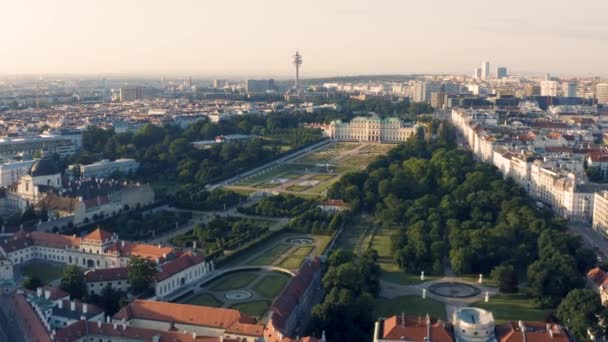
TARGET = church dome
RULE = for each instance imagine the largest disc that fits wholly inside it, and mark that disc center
(43, 167)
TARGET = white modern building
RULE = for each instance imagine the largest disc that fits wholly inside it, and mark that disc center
(105, 168)
(548, 88)
(601, 93)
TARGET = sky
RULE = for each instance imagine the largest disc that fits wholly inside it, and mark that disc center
(229, 38)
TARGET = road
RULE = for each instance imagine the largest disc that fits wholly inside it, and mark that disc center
(270, 164)
(590, 237)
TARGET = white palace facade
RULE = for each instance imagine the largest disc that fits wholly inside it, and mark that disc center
(368, 129)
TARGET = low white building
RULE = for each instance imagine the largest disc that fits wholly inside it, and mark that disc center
(105, 168)
(473, 325)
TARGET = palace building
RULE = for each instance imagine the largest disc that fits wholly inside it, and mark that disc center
(369, 129)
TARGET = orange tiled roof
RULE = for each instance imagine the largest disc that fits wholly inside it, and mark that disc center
(534, 332)
(597, 275)
(99, 235)
(33, 326)
(182, 262)
(231, 320)
(80, 329)
(414, 329)
(140, 249)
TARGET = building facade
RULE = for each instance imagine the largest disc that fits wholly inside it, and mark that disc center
(370, 129)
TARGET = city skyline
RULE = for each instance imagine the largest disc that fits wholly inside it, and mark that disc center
(338, 38)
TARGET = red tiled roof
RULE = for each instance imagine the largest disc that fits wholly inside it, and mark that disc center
(414, 329)
(534, 332)
(23, 240)
(232, 320)
(98, 235)
(182, 262)
(290, 296)
(30, 322)
(107, 274)
(597, 275)
(334, 202)
(82, 329)
(140, 249)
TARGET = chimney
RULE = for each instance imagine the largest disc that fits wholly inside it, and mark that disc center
(83, 318)
(403, 319)
(85, 306)
(114, 325)
(522, 328)
(39, 292)
(123, 243)
(47, 294)
(98, 324)
(72, 305)
(60, 304)
(194, 335)
(549, 330)
(124, 325)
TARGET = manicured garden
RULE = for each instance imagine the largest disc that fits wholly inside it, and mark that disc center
(513, 307)
(44, 271)
(271, 285)
(302, 251)
(267, 257)
(291, 263)
(232, 281)
(410, 305)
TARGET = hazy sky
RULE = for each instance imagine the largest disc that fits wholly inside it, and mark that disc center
(335, 37)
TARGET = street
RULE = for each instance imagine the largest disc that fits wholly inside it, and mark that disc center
(590, 237)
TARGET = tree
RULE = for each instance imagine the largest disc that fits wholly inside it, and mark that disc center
(73, 282)
(32, 283)
(506, 277)
(579, 311)
(109, 300)
(141, 273)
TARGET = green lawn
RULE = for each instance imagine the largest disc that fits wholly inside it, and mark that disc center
(321, 241)
(232, 281)
(205, 299)
(298, 188)
(474, 278)
(381, 242)
(254, 309)
(302, 251)
(410, 305)
(271, 285)
(513, 307)
(46, 272)
(291, 263)
(322, 177)
(267, 257)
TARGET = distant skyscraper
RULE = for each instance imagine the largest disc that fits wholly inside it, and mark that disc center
(601, 93)
(297, 62)
(485, 69)
(501, 72)
(548, 88)
(477, 73)
(162, 82)
(219, 84)
(260, 86)
(547, 77)
(130, 93)
(569, 89)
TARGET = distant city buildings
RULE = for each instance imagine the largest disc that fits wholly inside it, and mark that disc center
(260, 86)
(601, 93)
(501, 72)
(548, 88)
(485, 70)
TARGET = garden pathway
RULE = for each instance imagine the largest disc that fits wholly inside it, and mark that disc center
(392, 290)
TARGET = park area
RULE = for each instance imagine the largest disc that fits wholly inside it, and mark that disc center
(311, 174)
(45, 271)
(250, 291)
